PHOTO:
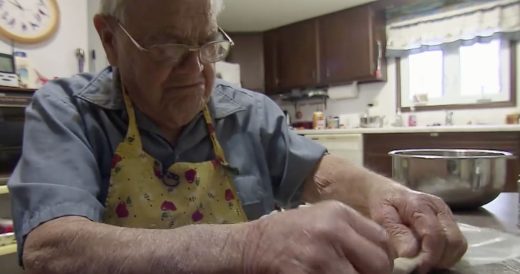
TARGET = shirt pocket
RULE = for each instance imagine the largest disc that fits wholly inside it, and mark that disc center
(251, 195)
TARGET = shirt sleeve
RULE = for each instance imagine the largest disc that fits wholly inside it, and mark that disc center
(57, 174)
(291, 157)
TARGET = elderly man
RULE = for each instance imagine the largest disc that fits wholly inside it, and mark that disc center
(153, 167)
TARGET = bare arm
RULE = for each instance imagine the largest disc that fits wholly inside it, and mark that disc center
(77, 245)
(338, 179)
(418, 224)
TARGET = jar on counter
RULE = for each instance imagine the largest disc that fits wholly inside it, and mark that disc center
(332, 122)
(318, 120)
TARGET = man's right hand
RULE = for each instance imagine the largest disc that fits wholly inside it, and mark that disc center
(328, 237)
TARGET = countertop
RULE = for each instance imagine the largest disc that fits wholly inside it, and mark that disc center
(431, 129)
(500, 214)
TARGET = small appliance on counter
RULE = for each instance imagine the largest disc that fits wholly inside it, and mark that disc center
(12, 118)
(371, 121)
(228, 72)
(8, 76)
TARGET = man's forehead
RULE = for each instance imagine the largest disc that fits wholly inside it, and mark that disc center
(136, 9)
(182, 34)
(177, 20)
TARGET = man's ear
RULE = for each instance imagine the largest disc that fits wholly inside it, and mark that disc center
(107, 36)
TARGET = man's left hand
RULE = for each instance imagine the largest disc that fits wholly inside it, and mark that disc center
(420, 225)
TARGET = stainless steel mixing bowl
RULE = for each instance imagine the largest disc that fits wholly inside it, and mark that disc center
(463, 178)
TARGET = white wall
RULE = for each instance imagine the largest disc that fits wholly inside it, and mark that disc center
(94, 43)
(56, 56)
(383, 95)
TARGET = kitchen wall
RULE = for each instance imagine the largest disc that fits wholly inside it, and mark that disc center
(56, 56)
(94, 43)
(383, 96)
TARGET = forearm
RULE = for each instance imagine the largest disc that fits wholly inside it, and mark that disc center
(77, 245)
(337, 179)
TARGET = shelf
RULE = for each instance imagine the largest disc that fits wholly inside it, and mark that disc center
(13, 89)
(7, 249)
(3, 190)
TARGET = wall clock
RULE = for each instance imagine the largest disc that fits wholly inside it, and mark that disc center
(28, 21)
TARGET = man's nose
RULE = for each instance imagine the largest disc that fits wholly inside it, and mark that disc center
(191, 63)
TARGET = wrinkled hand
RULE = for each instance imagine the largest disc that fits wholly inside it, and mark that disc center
(419, 225)
(328, 237)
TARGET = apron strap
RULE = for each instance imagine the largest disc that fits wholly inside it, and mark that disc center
(217, 149)
(134, 137)
(132, 134)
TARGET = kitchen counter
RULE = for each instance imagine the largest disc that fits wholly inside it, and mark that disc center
(432, 129)
(500, 214)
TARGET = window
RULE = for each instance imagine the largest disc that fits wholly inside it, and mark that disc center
(480, 69)
(425, 76)
(459, 76)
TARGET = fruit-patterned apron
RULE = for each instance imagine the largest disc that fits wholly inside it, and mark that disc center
(144, 195)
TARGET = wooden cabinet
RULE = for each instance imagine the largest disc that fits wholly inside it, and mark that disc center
(271, 61)
(248, 52)
(8, 258)
(297, 65)
(352, 45)
(333, 49)
(377, 146)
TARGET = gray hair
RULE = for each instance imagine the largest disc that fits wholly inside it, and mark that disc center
(116, 8)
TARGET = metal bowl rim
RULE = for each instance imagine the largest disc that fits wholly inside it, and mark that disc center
(496, 154)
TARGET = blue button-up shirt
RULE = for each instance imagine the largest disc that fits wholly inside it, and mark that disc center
(73, 127)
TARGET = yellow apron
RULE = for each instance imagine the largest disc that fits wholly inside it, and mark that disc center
(144, 195)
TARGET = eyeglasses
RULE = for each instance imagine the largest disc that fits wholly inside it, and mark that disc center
(173, 54)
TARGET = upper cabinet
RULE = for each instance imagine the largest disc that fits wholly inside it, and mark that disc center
(352, 46)
(271, 60)
(333, 49)
(297, 48)
(248, 52)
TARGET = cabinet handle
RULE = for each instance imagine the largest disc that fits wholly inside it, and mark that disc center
(327, 72)
(434, 134)
(378, 60)
(313, 74)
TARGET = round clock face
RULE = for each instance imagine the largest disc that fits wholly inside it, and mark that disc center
(28, 21)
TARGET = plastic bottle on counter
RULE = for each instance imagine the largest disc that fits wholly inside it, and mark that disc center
(412, 118)
(287, 117)
(398, 120)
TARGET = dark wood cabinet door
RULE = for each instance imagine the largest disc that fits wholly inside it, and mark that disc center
(377, 146)
(297, 55)
(351, 46)
(271, 61)
(249, 53)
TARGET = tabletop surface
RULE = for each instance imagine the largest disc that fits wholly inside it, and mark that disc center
(501, 214)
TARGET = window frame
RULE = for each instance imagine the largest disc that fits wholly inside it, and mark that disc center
(502, 104)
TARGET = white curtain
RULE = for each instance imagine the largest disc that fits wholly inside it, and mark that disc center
(467, 25)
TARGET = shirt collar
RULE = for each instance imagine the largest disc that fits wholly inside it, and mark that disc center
(104, 91)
